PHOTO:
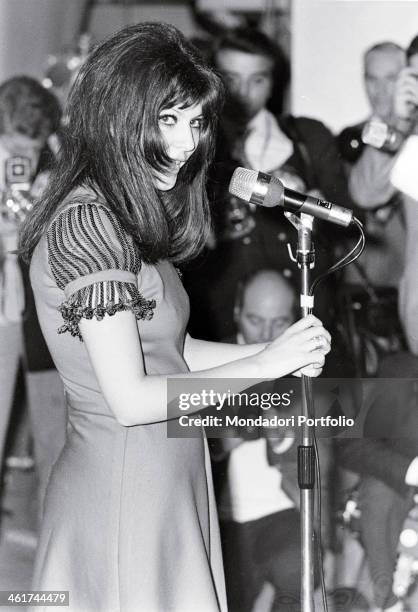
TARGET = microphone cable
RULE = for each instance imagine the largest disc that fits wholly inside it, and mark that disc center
(349, 258)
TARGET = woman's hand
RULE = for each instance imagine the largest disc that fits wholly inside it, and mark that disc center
(300, 350)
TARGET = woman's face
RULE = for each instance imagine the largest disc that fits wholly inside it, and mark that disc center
(180, 128)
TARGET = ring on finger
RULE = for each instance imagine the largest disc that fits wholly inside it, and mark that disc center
(320, 342)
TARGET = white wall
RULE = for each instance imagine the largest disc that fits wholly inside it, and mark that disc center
(328, 40)
(107, 19)
(237, 5)
(31, 29)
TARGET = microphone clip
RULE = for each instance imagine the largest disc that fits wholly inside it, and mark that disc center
(305, 252)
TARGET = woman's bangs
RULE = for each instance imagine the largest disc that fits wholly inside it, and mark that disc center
(192, 88)
(180, 95)
(185, 89)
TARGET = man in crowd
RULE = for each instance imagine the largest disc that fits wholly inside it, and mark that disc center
(382, 259)
(257, 481)
(370, 185)
(382, 64)
(265, 307)
(29, 115)
(258, 491)
(300, 151)
(387, 457)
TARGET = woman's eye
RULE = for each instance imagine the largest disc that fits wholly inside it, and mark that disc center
(197, 123)
(167, 119)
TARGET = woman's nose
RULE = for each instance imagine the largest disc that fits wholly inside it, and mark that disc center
(186, 140)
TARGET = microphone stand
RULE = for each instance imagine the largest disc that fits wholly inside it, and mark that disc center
(305, 259)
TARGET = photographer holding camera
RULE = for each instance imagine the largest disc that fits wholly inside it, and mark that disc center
(387, 458)
(29, 116)
(373, 180)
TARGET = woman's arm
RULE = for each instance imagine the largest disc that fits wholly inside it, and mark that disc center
(114, 348)
(203, 355)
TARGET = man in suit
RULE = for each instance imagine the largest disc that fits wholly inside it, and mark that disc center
(298, 150)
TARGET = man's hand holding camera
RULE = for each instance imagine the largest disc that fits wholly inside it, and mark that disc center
(406, 97)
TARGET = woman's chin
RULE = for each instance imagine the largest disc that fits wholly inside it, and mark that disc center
(165, 183)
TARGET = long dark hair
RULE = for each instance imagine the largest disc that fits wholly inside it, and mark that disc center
(112, 142)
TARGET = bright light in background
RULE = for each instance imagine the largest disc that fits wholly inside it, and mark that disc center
(329, 38)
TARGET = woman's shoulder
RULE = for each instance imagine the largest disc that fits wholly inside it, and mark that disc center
(93, 260)
(85, 217)
(86, 236)
(79, 197)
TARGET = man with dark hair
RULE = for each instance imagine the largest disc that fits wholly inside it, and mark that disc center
(253, 44)
(299, 151)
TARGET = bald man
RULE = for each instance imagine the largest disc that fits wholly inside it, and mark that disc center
(265, 307)
(382, 64)
(258, 492)
(383, 257)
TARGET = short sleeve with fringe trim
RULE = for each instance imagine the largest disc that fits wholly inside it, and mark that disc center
(96, 263)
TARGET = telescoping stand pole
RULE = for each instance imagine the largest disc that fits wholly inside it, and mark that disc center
(305, 259)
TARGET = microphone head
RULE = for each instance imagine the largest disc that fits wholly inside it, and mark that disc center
(243, 183)
(256, 187)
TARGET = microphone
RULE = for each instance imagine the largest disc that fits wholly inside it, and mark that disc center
(266, 190)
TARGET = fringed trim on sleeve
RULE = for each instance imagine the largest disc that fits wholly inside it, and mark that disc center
(100, 299)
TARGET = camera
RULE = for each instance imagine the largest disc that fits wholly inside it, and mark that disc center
(379, 135)
(18, 172)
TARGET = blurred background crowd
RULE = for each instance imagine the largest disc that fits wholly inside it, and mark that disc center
(323, 95)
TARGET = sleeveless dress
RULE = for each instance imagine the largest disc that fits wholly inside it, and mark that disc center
(130, 521)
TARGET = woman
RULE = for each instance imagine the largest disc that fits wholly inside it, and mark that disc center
(130, 522)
